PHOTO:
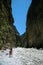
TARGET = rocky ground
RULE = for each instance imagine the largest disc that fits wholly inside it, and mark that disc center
(22, 56)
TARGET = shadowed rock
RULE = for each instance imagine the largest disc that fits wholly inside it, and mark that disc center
(34, 24)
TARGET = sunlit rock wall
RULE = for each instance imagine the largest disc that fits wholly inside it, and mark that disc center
(9, 36)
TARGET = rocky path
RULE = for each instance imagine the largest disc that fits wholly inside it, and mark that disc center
(22, 56)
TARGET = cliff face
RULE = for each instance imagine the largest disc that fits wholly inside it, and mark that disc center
(9, 36)
(34, 24)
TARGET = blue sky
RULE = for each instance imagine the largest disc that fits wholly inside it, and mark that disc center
(19, 11)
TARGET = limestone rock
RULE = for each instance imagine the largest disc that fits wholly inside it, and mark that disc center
(9, 35)
(34, 24)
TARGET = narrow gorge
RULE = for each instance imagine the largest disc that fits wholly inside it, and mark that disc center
(10, 37)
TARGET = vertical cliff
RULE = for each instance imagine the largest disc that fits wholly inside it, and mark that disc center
(34, 24)
(9, 35)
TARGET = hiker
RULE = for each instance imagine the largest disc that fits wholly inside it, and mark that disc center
(10, 52)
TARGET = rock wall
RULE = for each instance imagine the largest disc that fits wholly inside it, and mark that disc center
(9, 36)
(34, 24)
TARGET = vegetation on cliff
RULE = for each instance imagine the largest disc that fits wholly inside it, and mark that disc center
(9, 36)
